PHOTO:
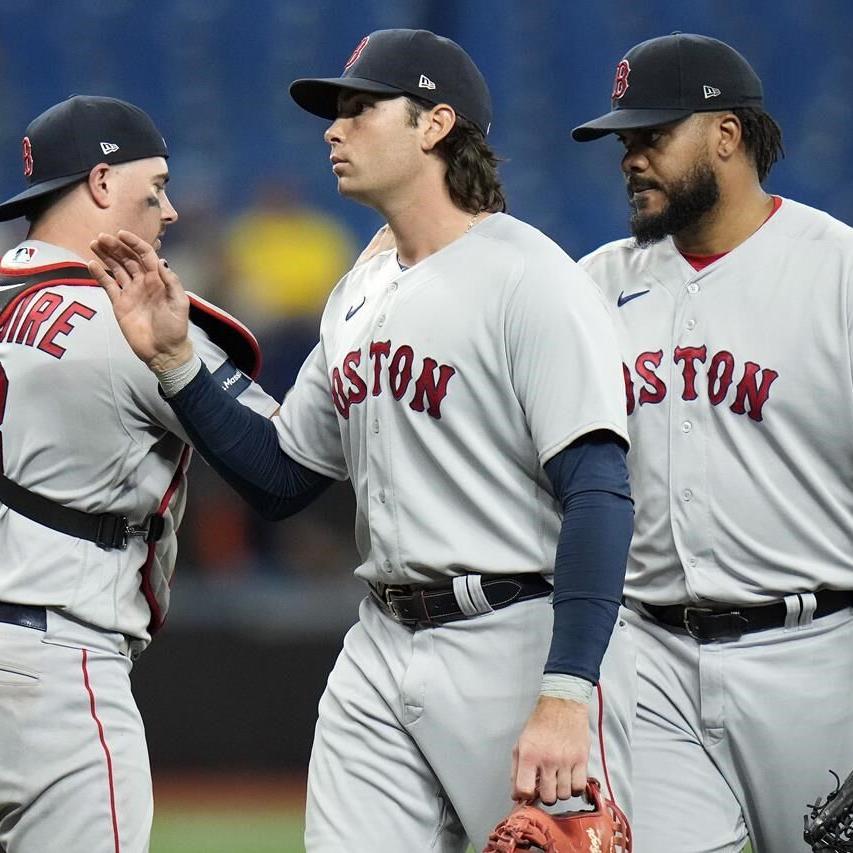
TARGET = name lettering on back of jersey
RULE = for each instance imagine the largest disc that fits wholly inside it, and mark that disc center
(390, 373)
(751, 391)
(623, 299)
(231, 379)
(30, 323)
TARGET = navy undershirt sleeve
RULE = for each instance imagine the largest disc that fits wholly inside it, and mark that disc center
(242, 447)
(590, 479)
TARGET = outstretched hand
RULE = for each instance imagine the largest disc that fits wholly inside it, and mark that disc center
(148, 299)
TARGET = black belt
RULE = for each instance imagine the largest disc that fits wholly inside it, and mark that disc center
(435, 604)
(24, 615)
(710, 623)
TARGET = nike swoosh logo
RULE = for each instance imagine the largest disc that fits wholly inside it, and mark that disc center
(354, 309)
(623, 299)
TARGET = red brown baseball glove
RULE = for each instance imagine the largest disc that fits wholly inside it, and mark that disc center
(601, 829)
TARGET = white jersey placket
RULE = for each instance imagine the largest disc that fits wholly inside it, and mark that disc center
(378, 456)
(688, 494)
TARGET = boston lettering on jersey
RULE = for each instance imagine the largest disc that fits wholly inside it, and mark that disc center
(38, 321)
(425, 393)
(751, 391)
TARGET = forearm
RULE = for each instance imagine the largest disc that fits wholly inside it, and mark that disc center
(588, 579)
(591, 481)
(239, 444)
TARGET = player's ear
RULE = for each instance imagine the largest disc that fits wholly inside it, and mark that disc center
(99, 183)
(729, 134)
(439, 122)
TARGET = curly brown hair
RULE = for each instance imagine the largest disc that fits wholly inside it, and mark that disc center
(762, 138)
(472, 167)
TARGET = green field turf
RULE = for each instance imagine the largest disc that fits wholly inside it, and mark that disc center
(208, 831)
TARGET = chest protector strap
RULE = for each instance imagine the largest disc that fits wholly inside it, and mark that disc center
(108, 530)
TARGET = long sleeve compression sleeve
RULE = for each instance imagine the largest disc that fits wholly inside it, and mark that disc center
(590, 479)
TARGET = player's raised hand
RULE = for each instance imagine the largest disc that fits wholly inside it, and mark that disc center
(549, 762)
(148, 299)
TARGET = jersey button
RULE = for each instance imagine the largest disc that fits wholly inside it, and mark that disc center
(387, 565)
(382, 496)
(686, 427)
(381, 320)
(692, 562)
(691, 325)
(692, 287)
(687, 495)
(393, 286)
(375, 426)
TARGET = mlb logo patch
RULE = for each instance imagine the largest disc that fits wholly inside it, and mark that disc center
(25, 254)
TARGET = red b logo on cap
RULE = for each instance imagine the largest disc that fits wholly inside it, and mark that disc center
(620, 82)
(28, 157)
(356, 53)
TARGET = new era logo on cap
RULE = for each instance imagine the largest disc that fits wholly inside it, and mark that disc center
(109, 147)
(425, 82)
(711, 92)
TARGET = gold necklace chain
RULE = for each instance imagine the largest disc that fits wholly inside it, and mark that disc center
(473, 220)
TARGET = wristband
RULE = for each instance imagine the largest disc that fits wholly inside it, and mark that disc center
(177, 378)
(561, 686)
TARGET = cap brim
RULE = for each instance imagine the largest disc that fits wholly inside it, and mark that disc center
(320, 96)
(618, 120)
(19, 204)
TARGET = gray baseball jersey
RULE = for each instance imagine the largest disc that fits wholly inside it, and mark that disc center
(739, 394)
(82, 423)
(85, 425)
(440, 391)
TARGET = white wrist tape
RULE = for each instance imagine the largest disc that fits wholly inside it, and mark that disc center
(561, 686)
(173, 380)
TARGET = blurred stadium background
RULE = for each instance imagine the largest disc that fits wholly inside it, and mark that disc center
(229, 688)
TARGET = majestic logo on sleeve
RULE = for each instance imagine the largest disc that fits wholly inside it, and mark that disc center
(390, 372)
(747, 387)
(620, 81)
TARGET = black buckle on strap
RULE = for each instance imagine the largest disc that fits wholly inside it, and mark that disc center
(114, 531)
(705, 624)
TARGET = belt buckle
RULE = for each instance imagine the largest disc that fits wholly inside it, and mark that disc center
(730, 622)
(387, 593)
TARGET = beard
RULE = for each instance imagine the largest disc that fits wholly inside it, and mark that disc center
(688, 200)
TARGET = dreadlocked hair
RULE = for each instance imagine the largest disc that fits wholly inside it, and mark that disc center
(472, 167)
(762, 138)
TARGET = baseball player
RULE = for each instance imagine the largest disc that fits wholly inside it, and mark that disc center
(92, 487)
(733, 309)
(468, 385)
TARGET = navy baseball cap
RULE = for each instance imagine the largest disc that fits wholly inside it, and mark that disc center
(404, 62)
(669, 78)
(65, 142)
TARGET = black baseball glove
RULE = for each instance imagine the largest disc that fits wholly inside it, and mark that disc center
(829, 827)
